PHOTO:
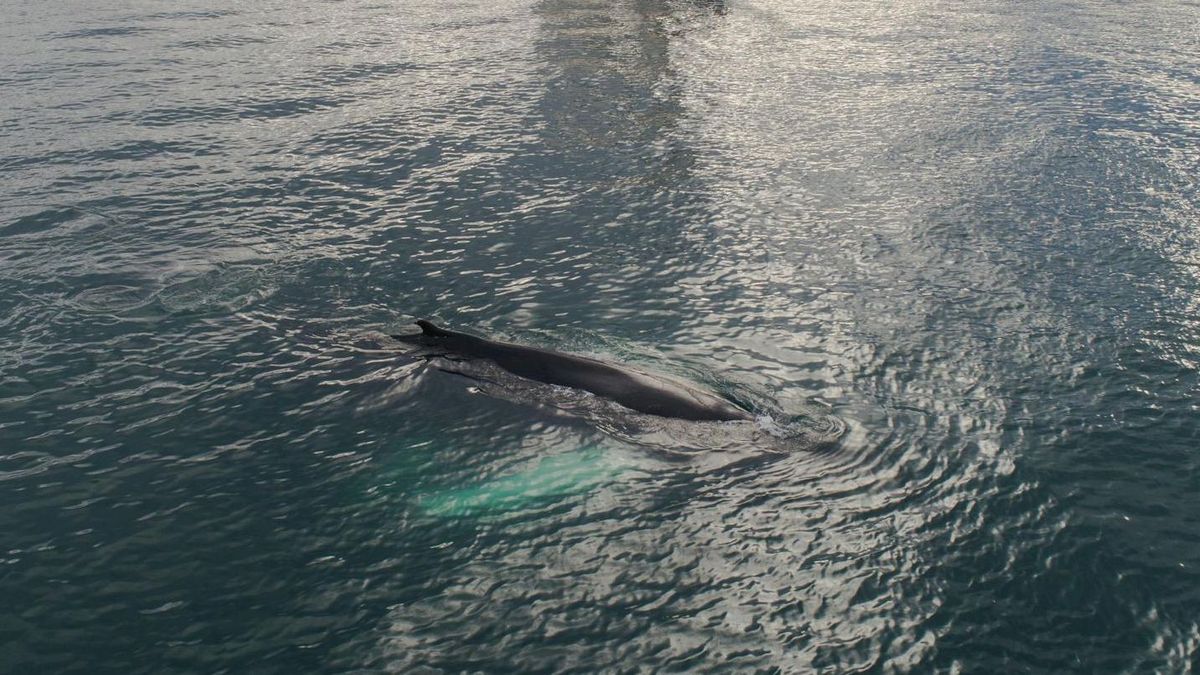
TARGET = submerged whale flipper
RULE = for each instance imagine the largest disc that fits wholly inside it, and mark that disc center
(640, 391)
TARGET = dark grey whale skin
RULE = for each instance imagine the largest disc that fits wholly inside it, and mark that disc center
(643, 392)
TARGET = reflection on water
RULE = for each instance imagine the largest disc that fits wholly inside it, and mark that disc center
(961, 237)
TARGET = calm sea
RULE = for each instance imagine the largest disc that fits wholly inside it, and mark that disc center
(964, 235)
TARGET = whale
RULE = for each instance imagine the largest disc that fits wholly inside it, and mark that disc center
(637, 390)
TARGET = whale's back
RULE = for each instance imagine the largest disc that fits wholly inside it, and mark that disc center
(635, 389)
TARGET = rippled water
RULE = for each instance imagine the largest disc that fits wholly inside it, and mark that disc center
(967, 232)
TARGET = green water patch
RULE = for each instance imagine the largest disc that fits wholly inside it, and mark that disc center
(549, 479)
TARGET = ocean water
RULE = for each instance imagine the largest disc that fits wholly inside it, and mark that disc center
(960, 238)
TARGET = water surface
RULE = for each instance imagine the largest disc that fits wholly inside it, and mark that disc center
(965, 231)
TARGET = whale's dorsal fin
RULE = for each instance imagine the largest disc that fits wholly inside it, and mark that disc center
(429, 329)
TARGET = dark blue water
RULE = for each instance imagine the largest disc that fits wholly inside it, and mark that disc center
(966, 233)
